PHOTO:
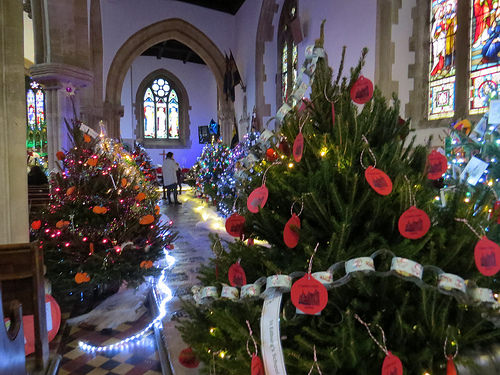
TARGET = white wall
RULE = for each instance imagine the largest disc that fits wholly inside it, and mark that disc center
(202, 92)
(349, 23)
(123, 18)
(29, 43)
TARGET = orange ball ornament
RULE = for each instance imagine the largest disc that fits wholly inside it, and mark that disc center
(140, 197)
(146, 220)
(60, 155)
(99, 210)
(35, 225)
(70, 190)
(86, 138)
(92, 162)
(146, 264)
(157, 210)
(124, 182)
(82, 277)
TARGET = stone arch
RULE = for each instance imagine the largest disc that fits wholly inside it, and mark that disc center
(172, 28)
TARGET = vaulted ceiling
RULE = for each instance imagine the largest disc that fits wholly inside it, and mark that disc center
(172, 49)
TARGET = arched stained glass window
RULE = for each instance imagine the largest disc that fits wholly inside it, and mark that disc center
(36, 127)
(484, 54)
(158, 123)
(162, 111)
(287, 50)
(443, 29)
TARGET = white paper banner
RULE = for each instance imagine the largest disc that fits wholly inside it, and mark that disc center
(272, 352)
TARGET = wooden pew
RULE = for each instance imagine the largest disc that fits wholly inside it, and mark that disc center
(12, 357)
(21, 275)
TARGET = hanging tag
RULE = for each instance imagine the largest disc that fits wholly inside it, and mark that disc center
(291, 233)
(414, 223)
(298, 147)
(188, 359)
(378, 180)
(487, 255)
(257, 366)
(236, 275)
(450, 367)
(235, 225)
(362, 90)
(392, 365)
(257, 199)
(309, 295)
(438, 164)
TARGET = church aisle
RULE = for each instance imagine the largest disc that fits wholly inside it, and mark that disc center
(193, 220)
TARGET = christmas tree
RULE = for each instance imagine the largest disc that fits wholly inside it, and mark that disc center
(361, 234)
(145, 164)
(102, 225)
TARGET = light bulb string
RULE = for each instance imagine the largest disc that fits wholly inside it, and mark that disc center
(315, 363)
(450, 356)
(370, 152)
(466, 222)
(381, 346)
(253, 339)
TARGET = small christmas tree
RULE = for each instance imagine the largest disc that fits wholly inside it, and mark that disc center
(356, 230)
(145, 164)
(102, 225)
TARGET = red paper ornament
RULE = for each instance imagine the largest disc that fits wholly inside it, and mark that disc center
(414, 223)
(188, 359)
(309, 295)
(438, 164)
(392, 365)
(487, 255)
(450, 367)
(291, 233)
(257, 366)
(298, 147)
(271, 155)
(378, 180)
(257, 199)
(35, 225)
(362, 90)
(235, 224)
(236, 275)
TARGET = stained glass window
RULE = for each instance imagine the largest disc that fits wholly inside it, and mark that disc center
(161, 111)
(484, 54)
(287, 51)
(36, 128)
(443, 29)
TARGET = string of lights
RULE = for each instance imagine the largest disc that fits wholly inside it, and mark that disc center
(166, 294)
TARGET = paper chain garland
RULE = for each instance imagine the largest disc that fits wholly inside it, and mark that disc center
(312, 54)
(406, 269)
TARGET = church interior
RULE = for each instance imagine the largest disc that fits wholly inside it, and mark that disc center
(249, 186)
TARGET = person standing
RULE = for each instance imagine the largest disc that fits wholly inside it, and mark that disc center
(169, 169)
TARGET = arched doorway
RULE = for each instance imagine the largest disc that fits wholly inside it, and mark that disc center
(184, 32)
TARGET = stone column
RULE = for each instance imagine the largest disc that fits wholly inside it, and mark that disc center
(13, 164)
(55, 78)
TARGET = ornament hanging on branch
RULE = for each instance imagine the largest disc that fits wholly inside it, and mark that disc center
(362, 90)
(414, 223)
(236, 275)
(291, 233)
(235, 224)
(257, 368)
(438, 164)
(486, 252)
(188, 359)
(450, 365)
(377, 179)
(308, 294)
(392, 364)
(258, 197)
(298, 144)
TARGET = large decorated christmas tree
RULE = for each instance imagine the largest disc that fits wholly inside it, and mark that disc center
(380, 269)
(102, 225)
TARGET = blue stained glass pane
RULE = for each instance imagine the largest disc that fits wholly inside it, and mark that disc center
(30, 108)
(149, 114)
(161, 118)
(173, 115)
(40, 108)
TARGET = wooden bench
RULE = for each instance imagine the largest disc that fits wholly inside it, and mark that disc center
(21, 278)
(38, 196)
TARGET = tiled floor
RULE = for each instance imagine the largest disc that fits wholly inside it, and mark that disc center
(138, 359)
(193, 220)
